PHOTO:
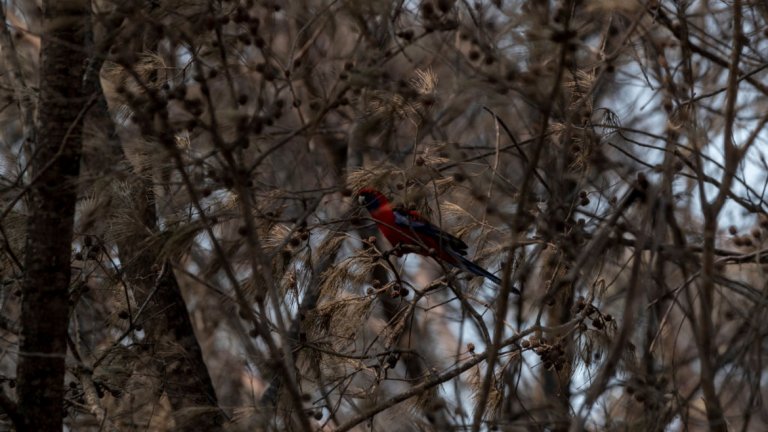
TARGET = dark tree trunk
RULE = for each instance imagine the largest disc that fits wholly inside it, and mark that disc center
(176, 353)
(52, 196)
(175, 350)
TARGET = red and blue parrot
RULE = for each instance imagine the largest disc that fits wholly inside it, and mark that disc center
(407, 228)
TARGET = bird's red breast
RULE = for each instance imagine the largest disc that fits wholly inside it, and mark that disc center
(408, 227)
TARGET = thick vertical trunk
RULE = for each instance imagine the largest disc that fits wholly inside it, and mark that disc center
(52, 196)
(176, 353)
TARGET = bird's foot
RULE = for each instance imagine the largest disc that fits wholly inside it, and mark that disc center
(396, 251)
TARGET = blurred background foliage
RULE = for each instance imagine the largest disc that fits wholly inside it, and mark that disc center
(604, 157)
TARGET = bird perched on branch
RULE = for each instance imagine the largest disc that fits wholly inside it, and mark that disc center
(408, 231)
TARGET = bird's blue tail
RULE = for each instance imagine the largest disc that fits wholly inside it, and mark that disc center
(468, 266)
(473, 268)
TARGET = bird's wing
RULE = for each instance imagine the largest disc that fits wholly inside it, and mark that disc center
(412, 223)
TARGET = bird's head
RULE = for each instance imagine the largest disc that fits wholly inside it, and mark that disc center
(371, 199)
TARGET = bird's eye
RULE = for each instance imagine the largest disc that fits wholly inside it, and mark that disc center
(362, 199)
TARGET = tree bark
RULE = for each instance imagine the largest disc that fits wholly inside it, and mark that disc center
(175, 350)
(52, 196)
(176, 353)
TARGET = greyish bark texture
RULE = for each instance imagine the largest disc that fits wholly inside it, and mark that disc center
(51, 204)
